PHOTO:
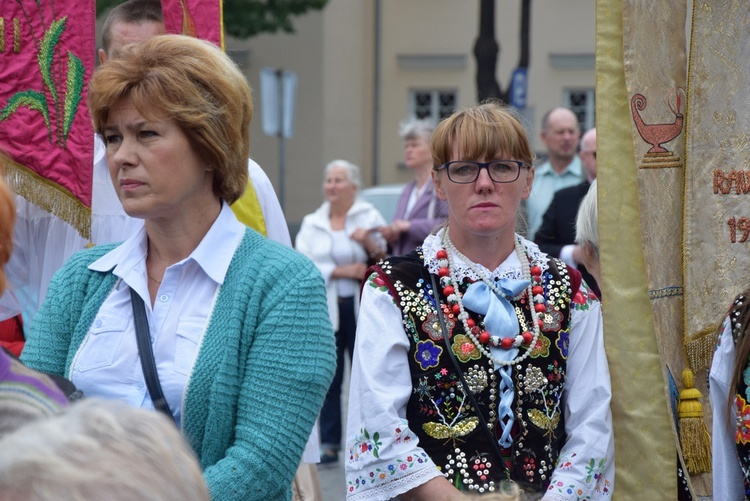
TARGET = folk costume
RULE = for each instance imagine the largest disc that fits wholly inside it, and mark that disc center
(543, 393)
(731, 433)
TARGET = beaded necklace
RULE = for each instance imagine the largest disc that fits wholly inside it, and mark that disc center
(533, 274)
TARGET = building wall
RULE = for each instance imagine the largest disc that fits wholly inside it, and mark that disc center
(301, 52)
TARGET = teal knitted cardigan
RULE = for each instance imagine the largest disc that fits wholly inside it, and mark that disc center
(263, 367)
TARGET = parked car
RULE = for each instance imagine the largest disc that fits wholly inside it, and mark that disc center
(384, 198)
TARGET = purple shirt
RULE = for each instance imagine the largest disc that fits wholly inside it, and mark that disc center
(428, 213)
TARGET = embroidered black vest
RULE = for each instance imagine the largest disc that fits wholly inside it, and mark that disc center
(442, 415)
(742, 396)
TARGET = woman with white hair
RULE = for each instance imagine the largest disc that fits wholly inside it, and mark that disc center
(340, 238)
(587, 232)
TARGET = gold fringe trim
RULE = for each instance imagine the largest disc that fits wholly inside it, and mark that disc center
(48, 195)
(694, 437)
(700, 349)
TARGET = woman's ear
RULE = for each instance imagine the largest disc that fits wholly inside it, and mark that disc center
(437, 181)
(529, 182)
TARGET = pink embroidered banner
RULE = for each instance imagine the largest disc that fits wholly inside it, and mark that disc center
(197, 18)
(47, 52)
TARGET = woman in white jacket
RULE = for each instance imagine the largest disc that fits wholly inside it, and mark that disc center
(341, 237)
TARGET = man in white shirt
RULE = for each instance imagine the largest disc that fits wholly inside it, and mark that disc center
(560, 134)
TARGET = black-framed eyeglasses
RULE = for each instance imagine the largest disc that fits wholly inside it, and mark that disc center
(466, 172)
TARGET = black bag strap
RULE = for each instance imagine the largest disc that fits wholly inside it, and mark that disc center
(469, 393)
(146, 352)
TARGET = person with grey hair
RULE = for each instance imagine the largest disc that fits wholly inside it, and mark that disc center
(340, 237)
(587, 232)
(418, 210)
(100, 450)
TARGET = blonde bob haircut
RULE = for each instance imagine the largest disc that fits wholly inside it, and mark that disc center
(194, 84)
(483, 131)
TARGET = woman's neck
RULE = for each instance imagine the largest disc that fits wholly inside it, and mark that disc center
(171, 241)
(340, 209)
(488, 250)
(421, 175)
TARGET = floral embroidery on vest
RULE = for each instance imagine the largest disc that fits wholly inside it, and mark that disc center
(439, 410)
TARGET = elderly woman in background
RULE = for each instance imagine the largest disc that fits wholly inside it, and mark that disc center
(340, 237)
(479, 359)
(418, 210)
(587, 232)
(241, 342)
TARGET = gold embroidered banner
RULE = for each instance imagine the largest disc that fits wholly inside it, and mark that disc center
(655, 58)
(717, 182)
(644, 432)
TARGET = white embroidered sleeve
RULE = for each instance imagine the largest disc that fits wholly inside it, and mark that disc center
(383, 455)
(586, 463)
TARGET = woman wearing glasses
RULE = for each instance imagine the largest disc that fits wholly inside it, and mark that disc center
(479, 359)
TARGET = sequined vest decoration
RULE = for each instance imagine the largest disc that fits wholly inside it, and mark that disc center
(742, 397)
(439, 411)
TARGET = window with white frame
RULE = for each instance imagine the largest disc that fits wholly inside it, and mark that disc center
(432, 104)
(583, 104)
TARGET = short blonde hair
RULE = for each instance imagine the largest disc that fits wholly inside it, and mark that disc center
(481, 131)
(99, 450)
(193, 83)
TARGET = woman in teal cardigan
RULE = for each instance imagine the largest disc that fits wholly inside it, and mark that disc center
(238, 324)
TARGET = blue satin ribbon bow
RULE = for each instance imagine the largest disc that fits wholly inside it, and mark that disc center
(499, 316)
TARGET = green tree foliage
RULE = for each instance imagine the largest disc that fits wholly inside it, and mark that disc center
(247, 18)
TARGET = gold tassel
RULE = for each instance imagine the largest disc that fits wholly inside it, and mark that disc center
(694, 437)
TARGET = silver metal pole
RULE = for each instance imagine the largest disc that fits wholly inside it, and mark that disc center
(279, 77)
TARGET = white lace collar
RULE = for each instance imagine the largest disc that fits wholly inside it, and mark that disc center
(510, 268)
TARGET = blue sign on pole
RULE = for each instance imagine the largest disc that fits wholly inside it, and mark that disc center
(518, 86)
